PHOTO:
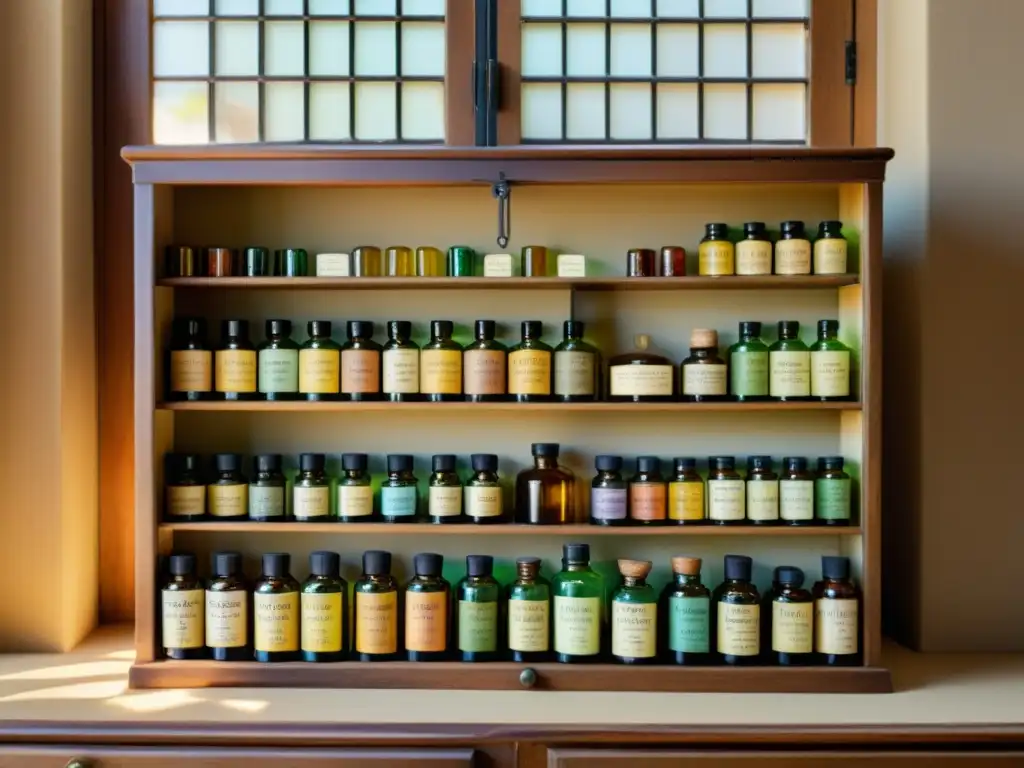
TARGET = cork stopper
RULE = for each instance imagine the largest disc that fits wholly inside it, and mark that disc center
(635, 569)
(641, 341)
(702, 338)
(686, 566)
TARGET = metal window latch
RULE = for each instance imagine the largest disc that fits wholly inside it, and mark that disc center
(851, 62)
(503, 192)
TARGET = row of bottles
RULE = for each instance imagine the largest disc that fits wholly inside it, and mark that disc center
(753, 253)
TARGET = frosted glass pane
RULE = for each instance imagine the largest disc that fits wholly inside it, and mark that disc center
(180, 113)
(685, 9)
(237, 48)
(585, 8)
(585, 50)
(237, 111)
(631, 50)
(423, 7)
(729, 9)
(285, 45)
(780, 113)
(282, 7)
(725, 112)
(799, 9)
(677, 50)
(375, 48)
(631, 111)
(328, 112)
(233, 7)
(284, 111)
(181, 48)
(376, 8)
(423, 111)
(542, 49)
(328, 7)
(181, 7)
(542, 111)
(780, 50)
(423, 49)
(541, 7)
(725, 50)
(376, 116)
(631, 8)
(584, 111)
(328, 48)
(678, 111)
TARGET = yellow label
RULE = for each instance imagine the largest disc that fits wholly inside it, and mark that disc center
(402, 371)
(311, 502)
(227, 616)
(634, 630)
(701, 379)
(529, 372)
(830, 373)
(440, 372)
(182, 618)
(376, 622)
(789, 374)
(360, 370)
(753, 257)
(319, 371)
(792, 627)
(445, 501)
(186, 500)
(716, 257)
(762, 499)
(726, 500)
(321, 622)
(355, 500)
(426, 621)
(277, 621)
(641, 380)
(793, 257)
(739, 629)
(574, 373)
(529, 625)
(236, 370)
(578, 625)
(191, 370)
(228, 500)
(686, 501)
(483, 500)
(836, 629)
(830, 256)
(484, 372)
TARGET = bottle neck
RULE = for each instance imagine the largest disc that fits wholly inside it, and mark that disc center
(826, 336)
(631, 581)
(686, 579)
(545, 462)
(575, 566)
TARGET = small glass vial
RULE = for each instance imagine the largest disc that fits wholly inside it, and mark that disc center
(401, 364)
(182, 601)
(235, 362)
(837, 615)
(703, 374)
(748, 364)
(793, 250)
(267, 490)
(444, 503)
(754, 251)
(278, 359)
(737, 622)
(360, 363)
(726, 492)
(830, 364)
(191, 362)
(256, 262)
(578, 593)
(484, 365)
(185, 490)
(355, 493)
(686, 494)
(832, 496)
(461, 261)
(478, 596)
(399, 500)
(608, 493)
(182, 261)
(430, 262)
(789, 364)
(427, 610)
(221, 262)
(534, 261)
(228, 495)
(789, 619)
(577, 366)
(400, 261)
(640, 263)
(441, 364)
(716, 256)
(635, 615)
(311, 495)
(483, 494)
(276, 611)
(673, 261)
(796, 492)
(367, 261)
(323, 610)
(227, 609)
(319, 363)
(376, 609)
(291, 262)
(529, 613)
(529, 366)
(830, 249)
(686, 613)
(648, 493)
(762, 491)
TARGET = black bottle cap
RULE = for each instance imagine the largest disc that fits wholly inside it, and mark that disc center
(441, 328)
(176, 463)
(682, 463)
(608, 463)
(399, 328)
(795, 464)
(759, 462)
(376, 562)
(226, 563)
(532, 329)
(750, 328)
(789, 329)
(324, 564)
(399, 462)
(312, 462)
(576, 553)
(484, 462)
(717, 229)
(828, 327)
(479, 565)
(648, 464)
(738, 567)
(545, 449)
(187, 327)
(360, 329)
(267, 462)
(528, 561)
(574, 328)
(276, 564)
(428, 564)
(181, 565)
(754, 228)
(789, 574)
(228, 462)
(722, 462)
(830, 462)
(235, 328)
(792, 227)
(443, 462)
(353, 462)
(319, 328)
(279, 328)
(835, 567)
(484, 329)
(831, 225)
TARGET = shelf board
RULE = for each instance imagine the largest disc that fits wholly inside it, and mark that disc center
(469, 529)
(281, 406)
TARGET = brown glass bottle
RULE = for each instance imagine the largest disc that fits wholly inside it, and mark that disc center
(376, 609)
(529, 366)
(648, 493)
(190, 367)
(640, 376)
(360, 363)
(484, 366)
(686, 496)
(428, 599)
(796, 492)
(483, 493)
(235, 362)
(441, 364)
(319, 364)
(324, 604)
(227, 609)
(762, 491)
(837, 624)
(276, 611)
(546, 493)
(703, 374)
(726, 492)
(640, 262)
(787, 621)
(185, 490)
(609, 493)
(227, 497)
(737, 622)
(182, 610)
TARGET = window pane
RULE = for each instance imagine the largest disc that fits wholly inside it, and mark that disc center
(422, 111)
(284, 112)
(725, 111)
(423, 49)
(782, 8)
(631, 111)
(233, 7)
(181, 48)
(423, 7)
(181, 113)
(285, 48)
(631, 50)
(678, 111)
(686, 9)
(282, 7)
(376, 8)
(780, 112)
(592, 8)
(725, 50)
(542, 49)
(329, 7)
(181, 7)
(237, 48)
(328, 48)
(237, 107)
(376, 113)
(584, 111)
(329, 112)
(542, 111)
(677, 50)
(728, 9)
(779, 50)
(541, 7)
(585, 50)
(375, 48)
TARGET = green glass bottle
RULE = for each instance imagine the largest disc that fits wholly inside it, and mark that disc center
(762, 491)
(830, 364)
(311, 494)
(578, 591)
(832, 492)
(577, 366)
(461, 261)
(635, 615)
(399, 500)
(182, 610)
(748, 363)
(529, 613)
(360, 363)
(355, 493)
(278, 362)
(227, 609)
(320, 363)
(267, 490)
(376, 609)
(427, 610)
(686, 614)
(788, 618)
(444, 503)
(789, 364)
(478, 595)
(529, 366)
(483, 492)
(324, 610)
(291, 262)
(227, 497)
(837, 624)
(737, 622)
(276, 611)
(796, 492)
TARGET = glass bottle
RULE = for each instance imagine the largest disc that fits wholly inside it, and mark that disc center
(444, 503)
(789, 364)
(635, 615)
(461, 261)
(185, 491)
(837, 614)
(324, 613)
(227, 497)
(545, 494)
(716, 255)
(830, 249)
(754, 251)
(235, 362)
(399, 501)
(534, 261)
(748, 364)
(376, 609)
(221, 262)
(686, 494)
(191, 363)
(227, 609)
(427, 610)
(355, 493)
(648, 493)
(278, 358)
(256, 262)
(291, 262)
(400, 262)
(703, 374)
(793, 250)
(267, 490)
(483, 494)
(441, 364)
(796, 492)
(762, 491)
(673, 261)
(529, 366)
(686, 613)
(726, 492)
(640, 263)
(401, 363)
(367, 261)
(577, 366)
(478, 595)
(830, 364)
(832, 492)
(737, 622)
(360, 363)
(484, 365)
(311, 494)
(578, 591)
(430, 262)
(182, 610)
(182, 261)
(276, 611)
(319, 363)
(790, 613)
(529, 613)
(608, 493)
(641, 376)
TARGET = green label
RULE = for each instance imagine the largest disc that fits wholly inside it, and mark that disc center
(749, 376)
(478, 626)
(398, 502)
(689, 623)
(266, 501)
(279, 370)
(832, 498)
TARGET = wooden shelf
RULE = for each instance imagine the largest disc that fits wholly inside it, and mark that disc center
(469, 529)
(280, 406)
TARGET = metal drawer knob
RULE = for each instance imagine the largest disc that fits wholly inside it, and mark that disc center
(527, 678)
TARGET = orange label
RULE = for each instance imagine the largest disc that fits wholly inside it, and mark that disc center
(236, 370)
(426, 621)
(529, 372)
(186, 500)
(376, 622)
(648, 501)
(440, 372)
(191, 370)
(484, 372)
(360, 370)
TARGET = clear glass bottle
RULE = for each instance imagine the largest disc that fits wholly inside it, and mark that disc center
(227, 609)
(754, 251)
(427, 610)
(483, 493)
(716, 255)
(182, 602)
(648, 493)
(311, 493)
(762, 491)
(793, 250)
(830, 249)
(399, 500)
(441, 364)
(235, 362)
(529, 366)
(832, 492)
(319, 363)
(686, 497)
(641, 376)
(727, 493)
(837, 624)
(355, 492)
(789, 619)
(796, 492)
(444, 503)
(703, 374)
(485, 366)
(190, 367)
(324, 609)
(276, 611)
(635, 615)
(577, 366)
(830, 364)
(267, 488)
(401, 363)
(748, 364)
(376, 609)
(686, 614)
(227, 497)
(789, 364)
(400, 261)
(278, 358)
(185, 489)
(529, 613)
(478, 595)
(545, 494)
(608, 493)
(578, 591)
(360, 363)
(737, 622)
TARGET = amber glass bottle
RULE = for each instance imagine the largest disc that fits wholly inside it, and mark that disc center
(399, 499)
(641, 376)
(182, 610)
(837, 625)
(484, 366)
(355, 490)
(545, 494)
(737, 623)
(227, 609)
(441, 364)
(228, 495)
(686, 614)
(796, 492)
(360, 363)
(276, 611)
(726, 492)
(788, 618)
(401, 363)
(648, 493)
(444, 500)
(793, 250)
(235, 362)
(311, 493)
(427, 610)
(686, 494)
(267, 490)
(185, 491)
(716, 254)
(376, 609)
(529, 366)
(483, 493)
(319, 363)
(324, 610)
(703, 374)
(191, 362)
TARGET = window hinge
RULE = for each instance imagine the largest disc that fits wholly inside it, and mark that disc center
(492, 85)
(851, 62)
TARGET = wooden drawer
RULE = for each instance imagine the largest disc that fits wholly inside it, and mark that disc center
(651, 758)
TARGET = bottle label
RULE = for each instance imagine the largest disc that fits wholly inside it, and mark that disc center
(483, 500)
(311, 502)
(236, 370)
(753, 257)
(763, 499)
(716, 258)
(791, 627)
(641, 380)
(529, 372)
(739, 629)
(445, 501)
(355, 500)
(426, 621)
(830, 373)
(191, 370)
(441, 372)
(478, 626)
(648, 501)
(484, 372)
(790, 374)
(398, 502)
(360, 370)
(726, 500)
(266, 501)
(689, 624)
(701, 379)
(186, 500)
(578, 625)
(376, 622)
(832, 498)
(796, 499)
(836, 626)
(319, 371)
(830, 256)
(749, 373)
(277, 622)
(402, 371)
(321, 622)
(182, 618)
(793, 257)
(227, 619)
(574, 373)
(686, 501)
(529, 622)
(279, 370)
(634, 630)
(228, 500)
(608, 503)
